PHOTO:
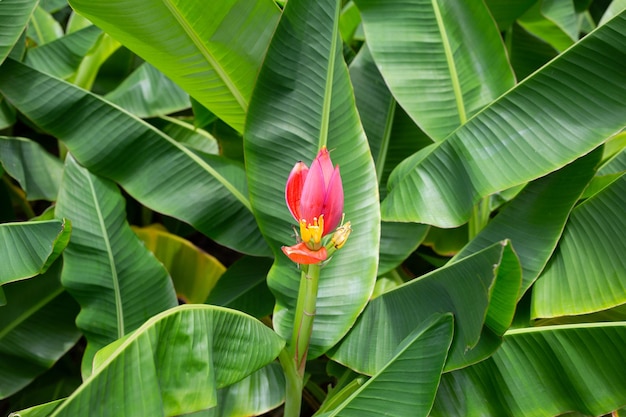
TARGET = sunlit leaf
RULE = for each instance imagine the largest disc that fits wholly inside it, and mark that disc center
(116, 280)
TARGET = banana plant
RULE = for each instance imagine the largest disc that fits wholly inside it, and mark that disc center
(312, 207)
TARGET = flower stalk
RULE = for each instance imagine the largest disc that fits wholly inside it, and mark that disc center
(315, 199)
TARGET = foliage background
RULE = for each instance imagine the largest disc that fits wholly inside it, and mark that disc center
(144, 150)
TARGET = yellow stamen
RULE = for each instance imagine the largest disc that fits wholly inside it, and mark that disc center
(305, 233)
(311, 234)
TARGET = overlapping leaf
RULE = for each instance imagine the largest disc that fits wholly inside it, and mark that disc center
(535, 219)
(141, 374)
(29, 248)
(61, 58)
(588, 270)
(36, 328)
(243, 287)
(407, 384)
(149, 93)
(443, 61)
(212, 50)
(302, 101)
(207, 191)
(14, 15)
(480, 290)
(37, 171)
(116, 280)
(390, 141)
(544, 371)
(534, 129)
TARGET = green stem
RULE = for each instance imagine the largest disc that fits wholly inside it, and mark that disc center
(294, 363)
(480, 217)
(305, 314)
(293, 384)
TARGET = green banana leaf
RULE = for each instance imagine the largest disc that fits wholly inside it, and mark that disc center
(535, 219)
(115, 279)
(52, 6)
(14, 15)
(254, 395)
(301, 102)
(206, 191)
(62, 57)
(588, 270)
(397, 242)
(407, 384)
(90, 65)
(42, 410)
(149, 93)
(187, 134)
(505, 12)
(553, 21)
(43, 27)
(37, 171)
(388, 140)
(193, 271)
(243, 287)
(558, 114)
(36, 329)
(212, 50)
(543, 371)
(141, 376)
(29, 248)
(349, 22)
(480, 290)
(613, 9)
(528, 53)
(451, 65)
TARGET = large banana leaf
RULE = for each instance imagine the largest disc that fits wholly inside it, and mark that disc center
(442, 60)
(535, 219)
(213, 50)
(407, 384)
(207, 191)
(37, 171)
(116, 280)
(480, 290)
(36, 328)
(543, 371)
(303, 100)
(141, 374)
(149, 93)
(558, 114)
(588, 270)
(14, 14)
(29, 248)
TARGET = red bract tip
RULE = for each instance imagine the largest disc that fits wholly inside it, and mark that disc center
(311, 193)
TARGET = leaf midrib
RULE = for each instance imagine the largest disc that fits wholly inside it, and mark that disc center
(328, 88)
(454, 77)
(115, 278)
(221, 73)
